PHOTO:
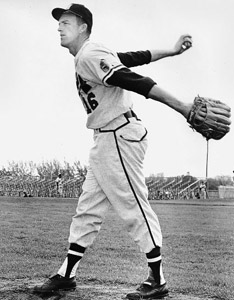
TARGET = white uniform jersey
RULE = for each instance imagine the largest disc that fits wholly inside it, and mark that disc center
(94, 64)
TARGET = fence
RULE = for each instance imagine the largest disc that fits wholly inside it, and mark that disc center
(226, 191)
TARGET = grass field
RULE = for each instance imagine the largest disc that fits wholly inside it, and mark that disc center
(198, 250)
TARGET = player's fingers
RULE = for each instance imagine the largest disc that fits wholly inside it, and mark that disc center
(185, 36)
(201, 117)
(202, 114)
(187, 39)
(223, 120)
(221, 111)
(221, 105)
(220, 116)
(187, 42)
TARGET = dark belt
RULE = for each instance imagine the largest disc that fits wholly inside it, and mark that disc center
(130, 114)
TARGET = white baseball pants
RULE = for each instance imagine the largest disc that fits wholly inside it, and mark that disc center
(115, 178)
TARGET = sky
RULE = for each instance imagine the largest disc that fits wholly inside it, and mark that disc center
(41, 116)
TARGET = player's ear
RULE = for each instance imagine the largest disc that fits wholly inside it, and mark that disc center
(83, 27)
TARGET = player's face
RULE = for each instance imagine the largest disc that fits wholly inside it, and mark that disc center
(69, 30)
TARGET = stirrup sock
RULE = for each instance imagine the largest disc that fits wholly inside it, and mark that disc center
(71, 262)
(154, 260)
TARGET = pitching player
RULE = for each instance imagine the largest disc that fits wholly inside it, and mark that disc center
(115, 174)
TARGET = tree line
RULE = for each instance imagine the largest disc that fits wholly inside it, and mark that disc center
(46, 169)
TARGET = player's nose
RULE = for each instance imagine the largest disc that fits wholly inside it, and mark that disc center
(59, 28)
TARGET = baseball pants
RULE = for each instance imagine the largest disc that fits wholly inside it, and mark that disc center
(115, 179)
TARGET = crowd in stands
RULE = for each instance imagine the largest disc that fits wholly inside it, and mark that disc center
(36, 187)
(51, 179)
(59, 186)
(166, 188)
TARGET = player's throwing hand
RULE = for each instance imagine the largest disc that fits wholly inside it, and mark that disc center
(184, 43)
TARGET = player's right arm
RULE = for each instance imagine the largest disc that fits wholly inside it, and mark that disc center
(183, 44)
(139, 58)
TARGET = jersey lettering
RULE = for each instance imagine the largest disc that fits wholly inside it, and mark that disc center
(88, 98)
(91, 100)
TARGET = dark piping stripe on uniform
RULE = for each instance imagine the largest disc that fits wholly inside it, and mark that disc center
(134, 193)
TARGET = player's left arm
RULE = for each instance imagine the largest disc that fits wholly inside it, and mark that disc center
(160, 95)
(145, 86)
(209, 117)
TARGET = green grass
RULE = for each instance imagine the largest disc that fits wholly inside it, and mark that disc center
(198, 249)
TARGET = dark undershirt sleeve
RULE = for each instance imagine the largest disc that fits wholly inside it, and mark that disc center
(128, 80)
(134, 59)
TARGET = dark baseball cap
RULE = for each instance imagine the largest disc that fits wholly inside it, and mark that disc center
(78, 10)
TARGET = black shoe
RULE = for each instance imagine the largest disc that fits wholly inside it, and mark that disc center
(56, 283)
(150, 291)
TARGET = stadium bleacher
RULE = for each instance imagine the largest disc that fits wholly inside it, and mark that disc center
(158, 187)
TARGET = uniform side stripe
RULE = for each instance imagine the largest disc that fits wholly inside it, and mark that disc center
(110, 73)
(152, 260)
(75, 253)
(134, 193)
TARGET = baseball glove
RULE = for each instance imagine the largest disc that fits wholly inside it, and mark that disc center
(210, 117)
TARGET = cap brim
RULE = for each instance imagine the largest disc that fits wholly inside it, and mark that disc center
(57, 13)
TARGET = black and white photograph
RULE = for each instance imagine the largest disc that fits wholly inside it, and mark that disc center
(117, 165)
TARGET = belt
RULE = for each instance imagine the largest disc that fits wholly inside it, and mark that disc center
(130, 114)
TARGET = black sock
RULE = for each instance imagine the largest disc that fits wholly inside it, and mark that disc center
(154, 262)
(70, 265)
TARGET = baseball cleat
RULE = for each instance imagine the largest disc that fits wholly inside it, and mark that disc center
(150, 291)
(56, 283)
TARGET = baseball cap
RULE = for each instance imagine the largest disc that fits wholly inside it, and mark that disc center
(78, 10)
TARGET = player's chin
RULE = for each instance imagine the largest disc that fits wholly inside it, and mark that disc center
(63, 44)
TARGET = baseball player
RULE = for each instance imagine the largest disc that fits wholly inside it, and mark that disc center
(203, 190)
(115, 174)
(59, 185)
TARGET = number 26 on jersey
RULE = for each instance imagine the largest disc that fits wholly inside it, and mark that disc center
(87, 97)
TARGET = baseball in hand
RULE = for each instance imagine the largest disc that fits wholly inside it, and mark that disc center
(186, 45)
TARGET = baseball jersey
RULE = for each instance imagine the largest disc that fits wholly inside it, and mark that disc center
(94, 64)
